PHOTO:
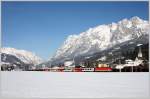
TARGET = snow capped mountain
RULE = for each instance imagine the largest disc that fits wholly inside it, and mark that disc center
(25, 56)
(102, 37)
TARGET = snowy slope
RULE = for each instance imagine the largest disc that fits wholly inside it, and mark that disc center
(25, 56)
(102, 37)
(74, 85)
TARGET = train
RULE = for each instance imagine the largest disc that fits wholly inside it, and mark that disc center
(75, 69)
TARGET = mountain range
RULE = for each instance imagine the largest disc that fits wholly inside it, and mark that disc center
(12, 56)
(102, 38)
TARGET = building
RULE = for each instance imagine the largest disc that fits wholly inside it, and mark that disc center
(132, 63)
(103, 65)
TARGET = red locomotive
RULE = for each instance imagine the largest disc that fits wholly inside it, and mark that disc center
(98, 69)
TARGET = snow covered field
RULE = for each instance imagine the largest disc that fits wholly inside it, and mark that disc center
(74, 85)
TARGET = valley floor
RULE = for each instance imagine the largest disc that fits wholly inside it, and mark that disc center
(74, 84)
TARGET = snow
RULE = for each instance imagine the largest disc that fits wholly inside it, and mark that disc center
(23, 55)
(103, 37)
(68, 63)
(4, 63)
(113, 26)
(102, 58)
(74, 85)
(120, 66)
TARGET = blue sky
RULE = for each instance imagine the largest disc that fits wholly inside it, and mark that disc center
(42, 27)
